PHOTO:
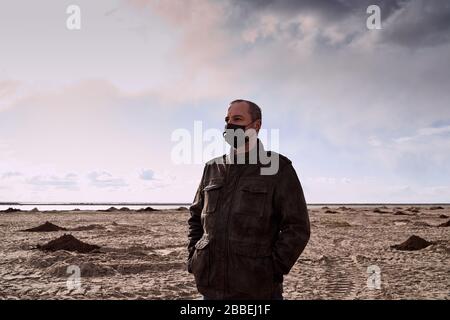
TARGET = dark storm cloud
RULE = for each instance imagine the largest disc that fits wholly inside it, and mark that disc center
(420, 24)
(409, 23)
(332, 10)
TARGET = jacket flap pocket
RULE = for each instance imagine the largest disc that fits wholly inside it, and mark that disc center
(213, 186)
(211, 193)
(255, 188)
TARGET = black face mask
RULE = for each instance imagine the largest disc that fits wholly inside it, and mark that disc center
(234, 134)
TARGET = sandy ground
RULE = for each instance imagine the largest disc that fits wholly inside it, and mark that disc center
(143, 255)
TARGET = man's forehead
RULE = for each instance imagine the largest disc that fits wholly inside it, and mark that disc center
(238, 108)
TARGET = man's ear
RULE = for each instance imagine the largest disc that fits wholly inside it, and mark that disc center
(257, 125)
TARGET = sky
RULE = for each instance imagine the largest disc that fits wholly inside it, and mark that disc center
(90, 115)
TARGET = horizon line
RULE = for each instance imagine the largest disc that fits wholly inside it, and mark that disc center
(189, 203)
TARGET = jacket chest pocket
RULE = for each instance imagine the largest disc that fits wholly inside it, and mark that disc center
(252, 199)
(211, 195)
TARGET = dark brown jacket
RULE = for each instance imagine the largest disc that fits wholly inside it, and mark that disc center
(246, 230)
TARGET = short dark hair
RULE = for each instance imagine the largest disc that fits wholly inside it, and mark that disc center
(255, 110)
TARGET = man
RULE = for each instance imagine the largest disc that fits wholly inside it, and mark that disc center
(246, 229)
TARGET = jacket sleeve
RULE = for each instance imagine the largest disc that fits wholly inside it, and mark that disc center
(294, 227)
(195, 224)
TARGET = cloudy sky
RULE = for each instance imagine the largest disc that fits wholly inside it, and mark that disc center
(89, 114)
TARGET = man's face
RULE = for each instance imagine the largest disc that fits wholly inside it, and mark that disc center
(239, 113)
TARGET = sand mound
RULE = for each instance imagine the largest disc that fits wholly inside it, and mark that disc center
(46, 227)
(89, 227)
(378, 210)
(11, 210)
(182, 209)
(34, 210)
(413, 243)
(124, 209)
(330, 211)
(413, 209)
(400, 213)
(148, 209)
(110, 209)
(436, 208)
(69, 243)
(443, 216)
(445, 224)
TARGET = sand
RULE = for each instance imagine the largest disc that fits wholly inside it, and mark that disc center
(69, 243)
(142, 255)
(46, 227)
(413, 243)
